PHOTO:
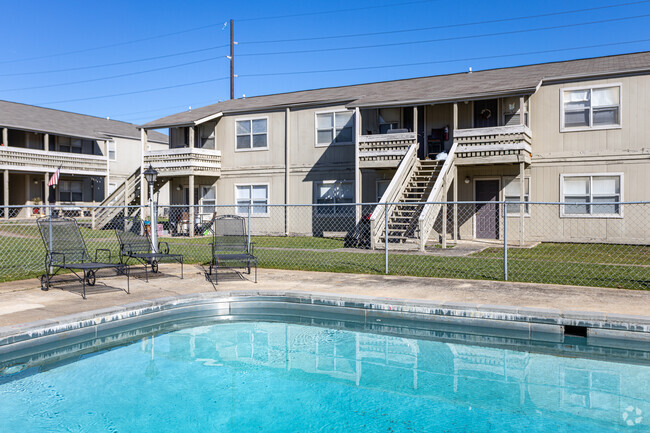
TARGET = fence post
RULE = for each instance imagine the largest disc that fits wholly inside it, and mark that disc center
(386, 238)
(505, 241)
(249, 224)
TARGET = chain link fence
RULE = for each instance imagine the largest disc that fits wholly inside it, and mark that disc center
(605, 245)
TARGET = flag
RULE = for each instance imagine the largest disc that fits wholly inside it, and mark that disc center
(54, 180)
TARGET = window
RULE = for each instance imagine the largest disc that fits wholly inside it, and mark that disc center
(333, 192)
(591, 195)
(111, 150)
(70, 190)
(76, 145)
(258, 195)
(596, 107)
(511, 193)
(63, 144)
(334, 128)
(382, 186)
(251, 134)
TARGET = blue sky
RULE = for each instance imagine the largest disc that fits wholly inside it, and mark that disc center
(55, 53)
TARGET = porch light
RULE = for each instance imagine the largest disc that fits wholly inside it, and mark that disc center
(467, 179)
(151, 175)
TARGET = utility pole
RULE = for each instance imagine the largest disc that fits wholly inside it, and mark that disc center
(232, 62)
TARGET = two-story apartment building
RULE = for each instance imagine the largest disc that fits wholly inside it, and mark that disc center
(569, 131)
(95, 155)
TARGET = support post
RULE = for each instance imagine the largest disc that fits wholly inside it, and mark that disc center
(455, 236)
(248, 220)
(191, 137)
(5, 136)
(126, 197)
(505, 241)
(522, 113)
(6, 190)
(444, 214)
(386, 238)
(153, 221)
(357, 170)
(287, 169)
(522, 185)
(143, 144)
(46, 142)
(46, 194)
(455, 116)
(191, 205)
(232, 61)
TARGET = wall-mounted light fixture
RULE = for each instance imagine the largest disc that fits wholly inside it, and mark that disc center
(467, 179)
(178, 187)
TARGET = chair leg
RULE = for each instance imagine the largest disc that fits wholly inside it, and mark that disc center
(83, 282)
(255, 272)
(128, 279)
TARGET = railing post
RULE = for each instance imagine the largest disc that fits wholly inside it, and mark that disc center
(444, 213)
(250, 204)
(505, 241)
(92, 216)
(386, 238)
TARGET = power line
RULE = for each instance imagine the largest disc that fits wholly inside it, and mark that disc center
(365, 8)
(128, 74)
(443, 61)
(80, 68)
(447, 26)
(134, 92)
(318, 50)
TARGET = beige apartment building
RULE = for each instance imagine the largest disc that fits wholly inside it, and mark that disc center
(571, 131)
(95, 155)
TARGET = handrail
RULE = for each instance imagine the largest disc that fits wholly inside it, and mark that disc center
(425, 221)
(393, 191)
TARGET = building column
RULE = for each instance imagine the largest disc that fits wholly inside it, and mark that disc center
(143, 188)
(5, 136)
(6, 190)
(287, 165)
(455, 117)
(46, 193)
(522, 112)
(522, 185)
(191, 205)
(192, 135)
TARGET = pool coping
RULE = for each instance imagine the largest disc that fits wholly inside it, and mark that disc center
(544, 324)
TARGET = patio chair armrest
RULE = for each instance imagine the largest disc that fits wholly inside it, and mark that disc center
(51, 257)
(103, 249)
(163, 247)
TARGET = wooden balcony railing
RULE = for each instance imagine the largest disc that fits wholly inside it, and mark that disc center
(488, 143)
(18, 158)
(384, 150)
(185, 161)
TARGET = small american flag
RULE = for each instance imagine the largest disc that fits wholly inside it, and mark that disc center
(54, 180)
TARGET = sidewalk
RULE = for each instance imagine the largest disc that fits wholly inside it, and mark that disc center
(23, 301)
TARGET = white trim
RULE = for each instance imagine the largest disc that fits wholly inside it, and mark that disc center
(333, 143)
(620, 175)
(481, 178)
(591, 127)
(268, 199)
(208, 118)
(251, 149)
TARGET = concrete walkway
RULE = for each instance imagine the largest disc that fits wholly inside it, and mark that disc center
(23, 301)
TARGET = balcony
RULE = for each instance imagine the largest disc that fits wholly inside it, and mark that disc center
(384, 150)
(184, 161)
(18, 158)
(495, 145)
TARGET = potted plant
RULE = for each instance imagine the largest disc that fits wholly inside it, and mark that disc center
(36, 201)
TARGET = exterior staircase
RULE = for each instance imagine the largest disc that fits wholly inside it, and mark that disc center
(127, 194)
(403, 217)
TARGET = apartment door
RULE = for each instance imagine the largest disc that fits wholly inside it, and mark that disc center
(487, 214)
(486, 113)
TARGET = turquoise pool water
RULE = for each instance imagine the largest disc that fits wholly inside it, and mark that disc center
(275, 377)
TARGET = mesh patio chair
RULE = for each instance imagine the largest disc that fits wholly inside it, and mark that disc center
(134, 245)
(230, 247)
(66, 249)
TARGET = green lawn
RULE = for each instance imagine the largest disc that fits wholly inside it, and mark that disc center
(625, 266)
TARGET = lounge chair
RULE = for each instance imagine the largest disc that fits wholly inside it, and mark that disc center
(230, 247)
(133, 245)
(65, 249)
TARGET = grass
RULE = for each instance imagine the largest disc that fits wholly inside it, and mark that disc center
(602, 265)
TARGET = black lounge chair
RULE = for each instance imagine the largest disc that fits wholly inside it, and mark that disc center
(230, 247)
(65, 249)
(134, 245)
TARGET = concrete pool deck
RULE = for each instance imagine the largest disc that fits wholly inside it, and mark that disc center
(22, 302)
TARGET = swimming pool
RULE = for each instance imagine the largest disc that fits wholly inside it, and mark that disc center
(278, 376)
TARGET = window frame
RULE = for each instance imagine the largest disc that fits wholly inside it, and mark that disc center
(503, 194)
(250, 134)
(591, 176)
(268, 199)
(591, 127)
(69, 191)
(334, 205)
(333, 112)
(380, 181)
